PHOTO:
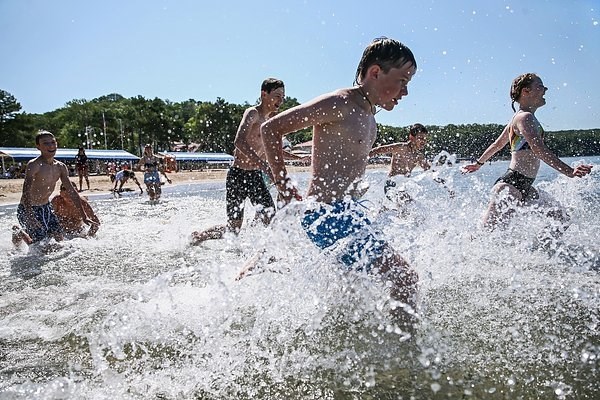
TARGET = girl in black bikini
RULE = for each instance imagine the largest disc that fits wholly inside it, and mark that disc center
(525, 135)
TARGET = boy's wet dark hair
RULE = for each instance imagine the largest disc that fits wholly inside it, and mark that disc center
(271, 84)
(517, 86)
(41, 134)
(416, 129)
(385, 52)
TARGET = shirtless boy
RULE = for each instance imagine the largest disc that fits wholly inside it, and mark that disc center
(41, 174)
(344, 130)
(405, 157)
(244, 178)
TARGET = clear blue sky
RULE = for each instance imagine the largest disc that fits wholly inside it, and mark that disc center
(468, 52)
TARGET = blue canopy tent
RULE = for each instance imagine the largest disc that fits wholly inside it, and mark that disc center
(201, 159)
(24, 154)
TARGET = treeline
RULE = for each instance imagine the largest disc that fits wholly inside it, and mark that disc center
(116, 122)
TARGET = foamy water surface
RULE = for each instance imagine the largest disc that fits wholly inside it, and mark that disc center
(138, 314)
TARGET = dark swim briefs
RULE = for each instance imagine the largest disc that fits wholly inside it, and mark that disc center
(520, 182)
(48, 222)
(242, 184)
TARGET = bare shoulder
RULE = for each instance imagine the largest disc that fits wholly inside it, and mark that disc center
(398, 148)
(62, 167)
(32, 166)
(526, 122)
(251, 113)
(402, 147)
(336, 103)
(524, 118)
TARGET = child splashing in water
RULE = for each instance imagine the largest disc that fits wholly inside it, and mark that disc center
(152, 168)
(525, 136)
(344, 130)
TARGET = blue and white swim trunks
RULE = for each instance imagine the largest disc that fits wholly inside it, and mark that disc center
(345, 229)
(44, 215)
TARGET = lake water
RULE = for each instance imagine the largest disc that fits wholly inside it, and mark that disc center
(138, 314)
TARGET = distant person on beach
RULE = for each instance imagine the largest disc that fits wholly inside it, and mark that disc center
(245, 176)
(122, 177)
(344, 130)
(525, 136)
(41, 174)
(111, 170)
(152, 168)
(81, 164)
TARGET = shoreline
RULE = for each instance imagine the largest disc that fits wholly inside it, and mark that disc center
(12, 189)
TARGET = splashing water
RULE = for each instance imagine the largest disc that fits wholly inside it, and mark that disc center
(138, 314)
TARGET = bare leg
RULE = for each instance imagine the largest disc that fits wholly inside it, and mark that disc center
(216, 232)
(150, 191)
(394, 269)
(499, 209)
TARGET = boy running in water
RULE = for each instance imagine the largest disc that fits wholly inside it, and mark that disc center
(34, 212)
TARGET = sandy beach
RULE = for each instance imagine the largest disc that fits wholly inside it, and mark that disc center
(11, 189)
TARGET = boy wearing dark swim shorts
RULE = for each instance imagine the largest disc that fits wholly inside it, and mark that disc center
(245, 177)
(34, 212)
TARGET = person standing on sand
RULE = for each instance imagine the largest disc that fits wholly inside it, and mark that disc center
(244, 178)
(34, 212)
(525, 135)
(81, 164)
(344, 130)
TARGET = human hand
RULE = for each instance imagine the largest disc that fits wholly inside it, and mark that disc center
(467, 169)
(582, 170)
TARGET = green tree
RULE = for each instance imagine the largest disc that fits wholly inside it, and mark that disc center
(9, 107)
